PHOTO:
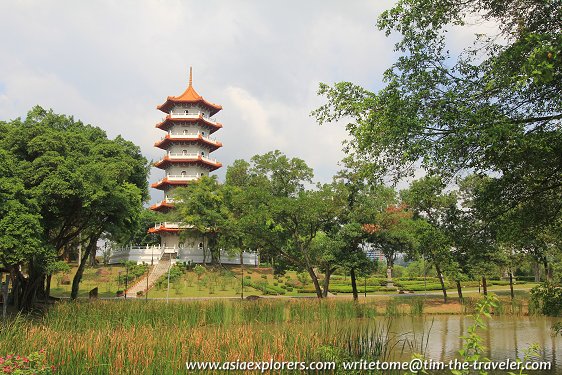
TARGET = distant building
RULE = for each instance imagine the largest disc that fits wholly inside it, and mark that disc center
(188, 124)
(373, 253)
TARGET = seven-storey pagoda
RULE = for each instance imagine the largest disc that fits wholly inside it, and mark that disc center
(188, 124)
(188, 144)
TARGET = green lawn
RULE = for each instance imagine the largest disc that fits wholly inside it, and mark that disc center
(223, 281)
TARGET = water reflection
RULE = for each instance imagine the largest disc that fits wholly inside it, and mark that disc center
(506, 337)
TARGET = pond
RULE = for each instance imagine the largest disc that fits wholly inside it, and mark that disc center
(507, 337)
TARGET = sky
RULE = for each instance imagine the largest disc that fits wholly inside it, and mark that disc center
(110, 63)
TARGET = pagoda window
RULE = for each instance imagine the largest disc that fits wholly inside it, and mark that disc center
(183, 173)
(200, 245)
(203, 133)
(186, 112)
(184, 152)
(185, 131)
(202, 153)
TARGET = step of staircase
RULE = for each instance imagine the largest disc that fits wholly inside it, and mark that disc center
(155, 273)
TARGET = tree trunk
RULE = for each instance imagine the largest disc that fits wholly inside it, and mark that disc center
(547, 271)
(78, 276)
(459, 290)
(93, 257)
(326, 285)
(16, 288)
(484, 285)
(48, 287)
(29, 287)
(442, 281)
(537, 272)
(511, 284)
(315, 281)
(354, 284)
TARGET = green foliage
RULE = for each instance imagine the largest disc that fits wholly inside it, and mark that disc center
(199, 271)
(75, 183)
(32, 364)
(491, 107)
(265, 287)
(557, 329)
(134, 272)
(548, 298)
(472, 343)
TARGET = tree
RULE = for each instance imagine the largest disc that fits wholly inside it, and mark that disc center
(360, 201)
(393, 232)
(202, 205)
(432, 207)
(83, 183)
(278, 215)
(495, 108)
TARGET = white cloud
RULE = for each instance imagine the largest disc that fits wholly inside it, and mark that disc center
(110, 63)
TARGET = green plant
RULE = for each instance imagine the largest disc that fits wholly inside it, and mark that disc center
(557, 329)
(473, 348)
(416, 306)
(392, 308)
(34, 363)
(199, 271)
(189, 279)
(547, 298)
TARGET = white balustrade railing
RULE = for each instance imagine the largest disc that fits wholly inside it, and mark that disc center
(182, 177)
(188, 177)
(190, 155)
(190, 136)
(171, 225)
(153, 254)
(192, 115)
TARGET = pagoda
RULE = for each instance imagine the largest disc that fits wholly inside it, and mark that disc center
(188, 143)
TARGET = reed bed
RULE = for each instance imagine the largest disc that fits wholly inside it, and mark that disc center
(152, 337)
(138, 337)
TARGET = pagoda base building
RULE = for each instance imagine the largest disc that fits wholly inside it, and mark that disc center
(189, 125)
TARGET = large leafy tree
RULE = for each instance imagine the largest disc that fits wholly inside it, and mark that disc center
(495, 107)
(432, 207)
(202, 206)
(82, 183)
(278, 215)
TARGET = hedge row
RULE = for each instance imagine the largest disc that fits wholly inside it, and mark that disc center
(348, 289)
(265, 288)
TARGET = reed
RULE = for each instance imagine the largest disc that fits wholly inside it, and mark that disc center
(134, 337)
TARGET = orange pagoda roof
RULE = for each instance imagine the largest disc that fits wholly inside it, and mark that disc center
(162, 206)
(188, 96)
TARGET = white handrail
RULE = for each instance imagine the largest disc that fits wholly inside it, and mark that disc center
(189, 155)
(182, 176)
(191, 115)
(189, 135)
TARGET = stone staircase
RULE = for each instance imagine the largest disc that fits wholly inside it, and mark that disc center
(157, 271)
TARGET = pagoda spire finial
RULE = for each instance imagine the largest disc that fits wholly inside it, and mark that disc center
(190, 76)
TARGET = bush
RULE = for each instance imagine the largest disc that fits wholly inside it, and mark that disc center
(547, 297)
(265, 287)
(35, 363)
(134, 272)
